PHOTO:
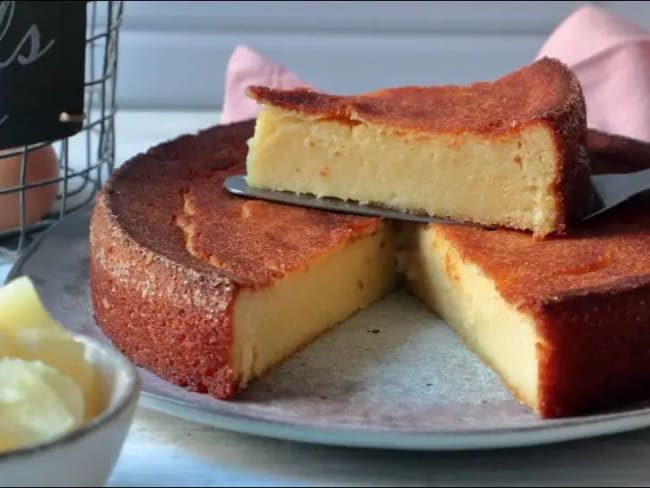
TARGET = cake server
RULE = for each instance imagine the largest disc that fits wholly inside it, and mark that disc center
(608, 191)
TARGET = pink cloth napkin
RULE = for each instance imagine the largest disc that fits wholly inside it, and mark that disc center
(610, 56)
(246, 68)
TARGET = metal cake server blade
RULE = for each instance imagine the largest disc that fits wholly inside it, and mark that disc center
(608, 191)
(237, 185)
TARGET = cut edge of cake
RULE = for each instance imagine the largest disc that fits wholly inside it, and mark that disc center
(559, 353)
(468, 301)
(306, 302)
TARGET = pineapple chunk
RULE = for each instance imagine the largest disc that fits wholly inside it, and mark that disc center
(37, 403)
(20, 306)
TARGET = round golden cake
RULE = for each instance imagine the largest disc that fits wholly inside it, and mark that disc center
(209, 291)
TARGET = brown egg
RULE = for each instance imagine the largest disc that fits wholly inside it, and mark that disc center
(42, 164)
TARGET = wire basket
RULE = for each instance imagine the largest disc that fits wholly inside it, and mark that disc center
(85, 160)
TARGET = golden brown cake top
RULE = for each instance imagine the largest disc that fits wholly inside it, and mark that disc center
(607, 254)
(255, 242)
(171, 200)
(544, 89)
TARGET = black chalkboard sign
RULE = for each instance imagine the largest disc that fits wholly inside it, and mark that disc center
(42, 64)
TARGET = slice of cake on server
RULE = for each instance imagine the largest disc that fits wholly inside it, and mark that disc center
(507, 153)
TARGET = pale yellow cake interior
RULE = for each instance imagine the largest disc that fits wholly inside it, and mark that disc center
(273, 322)
(462, 295)
(505, 180)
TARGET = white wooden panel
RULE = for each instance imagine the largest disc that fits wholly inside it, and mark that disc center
(638, 12)
(173, 54)
(187, 70)
(473, 17)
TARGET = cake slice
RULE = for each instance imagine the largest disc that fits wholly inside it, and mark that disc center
(208, 290)
(508, 153)
(564, 321)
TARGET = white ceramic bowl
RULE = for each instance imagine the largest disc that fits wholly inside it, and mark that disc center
(86, 456)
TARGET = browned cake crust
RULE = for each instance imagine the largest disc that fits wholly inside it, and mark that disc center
(545, 92)
(254, 243)
(589, 292)
(168, 309)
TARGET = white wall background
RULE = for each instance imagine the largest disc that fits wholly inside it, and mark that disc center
(173, 54)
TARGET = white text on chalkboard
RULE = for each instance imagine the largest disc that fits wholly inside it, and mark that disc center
(32, 39)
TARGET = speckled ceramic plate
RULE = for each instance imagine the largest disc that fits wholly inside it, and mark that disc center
(392, 376)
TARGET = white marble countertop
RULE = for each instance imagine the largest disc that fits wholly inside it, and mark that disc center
(162, 450)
